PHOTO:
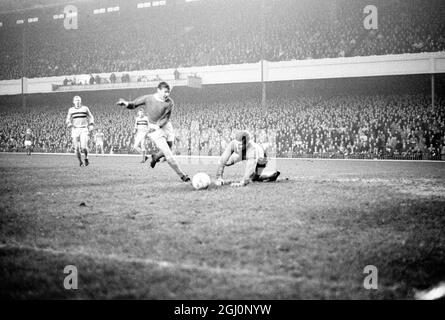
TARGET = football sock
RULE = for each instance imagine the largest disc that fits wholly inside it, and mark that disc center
(174, 165)
(79, 155)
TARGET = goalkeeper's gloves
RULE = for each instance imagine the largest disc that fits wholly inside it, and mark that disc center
(219, 182)
(239, 184)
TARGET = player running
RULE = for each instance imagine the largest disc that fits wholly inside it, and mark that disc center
(82, 121)
(99, 141)
(243, 148)
(158, 108)
(140, 132)
(29, 137)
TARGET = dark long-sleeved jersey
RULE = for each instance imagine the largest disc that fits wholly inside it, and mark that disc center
(158, 112)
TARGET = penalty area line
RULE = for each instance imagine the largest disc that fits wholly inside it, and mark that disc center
(150, 262)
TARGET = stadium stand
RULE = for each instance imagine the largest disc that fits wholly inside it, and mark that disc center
(362, 126)
(217, 32)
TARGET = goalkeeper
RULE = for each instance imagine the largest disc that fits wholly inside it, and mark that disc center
(243, 148)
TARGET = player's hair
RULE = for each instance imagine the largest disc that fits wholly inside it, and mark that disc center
(163, 85)
(243, 134)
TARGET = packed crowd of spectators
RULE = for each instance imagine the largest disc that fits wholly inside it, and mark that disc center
(216, 32)
(404, 126)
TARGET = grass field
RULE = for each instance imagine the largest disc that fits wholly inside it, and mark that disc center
(137, 232)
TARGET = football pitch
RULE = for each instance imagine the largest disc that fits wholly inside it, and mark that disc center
(134, 232)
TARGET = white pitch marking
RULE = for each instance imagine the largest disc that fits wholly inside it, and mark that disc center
(159, 263)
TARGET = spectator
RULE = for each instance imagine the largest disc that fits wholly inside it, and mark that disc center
(222, 32)
(113, 78)
(176, 74)
(401, 126)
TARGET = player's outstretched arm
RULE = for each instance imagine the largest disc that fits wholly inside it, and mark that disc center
(222, 163)
(132, 104)
(122, 103)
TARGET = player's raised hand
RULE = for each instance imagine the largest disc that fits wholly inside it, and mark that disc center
(122, 103)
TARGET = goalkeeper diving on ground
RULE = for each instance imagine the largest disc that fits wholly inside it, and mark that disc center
(244, 148)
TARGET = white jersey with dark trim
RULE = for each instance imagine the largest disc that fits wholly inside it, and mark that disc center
(79, 117)
(141, 124)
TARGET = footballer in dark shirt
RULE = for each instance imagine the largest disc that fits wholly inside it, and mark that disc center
(158, 108)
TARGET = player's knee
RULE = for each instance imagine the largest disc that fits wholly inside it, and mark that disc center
(229, 163)
(170, 158)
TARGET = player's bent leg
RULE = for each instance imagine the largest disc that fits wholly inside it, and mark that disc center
(137, 148)
(161, 143)
(168, 132)
(261, 176)
(234, 158)
(159, 155)
(269, 177)
(228, 157)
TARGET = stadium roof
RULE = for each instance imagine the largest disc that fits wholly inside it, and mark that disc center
(9, 6)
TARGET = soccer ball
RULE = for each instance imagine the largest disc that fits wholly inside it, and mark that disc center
(201, 181)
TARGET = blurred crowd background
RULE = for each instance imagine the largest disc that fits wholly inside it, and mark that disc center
(217, 32)
(390, 126)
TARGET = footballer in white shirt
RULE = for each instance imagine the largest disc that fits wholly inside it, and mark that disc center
(81, 122)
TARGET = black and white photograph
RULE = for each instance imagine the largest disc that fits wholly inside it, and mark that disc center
(238, 152)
